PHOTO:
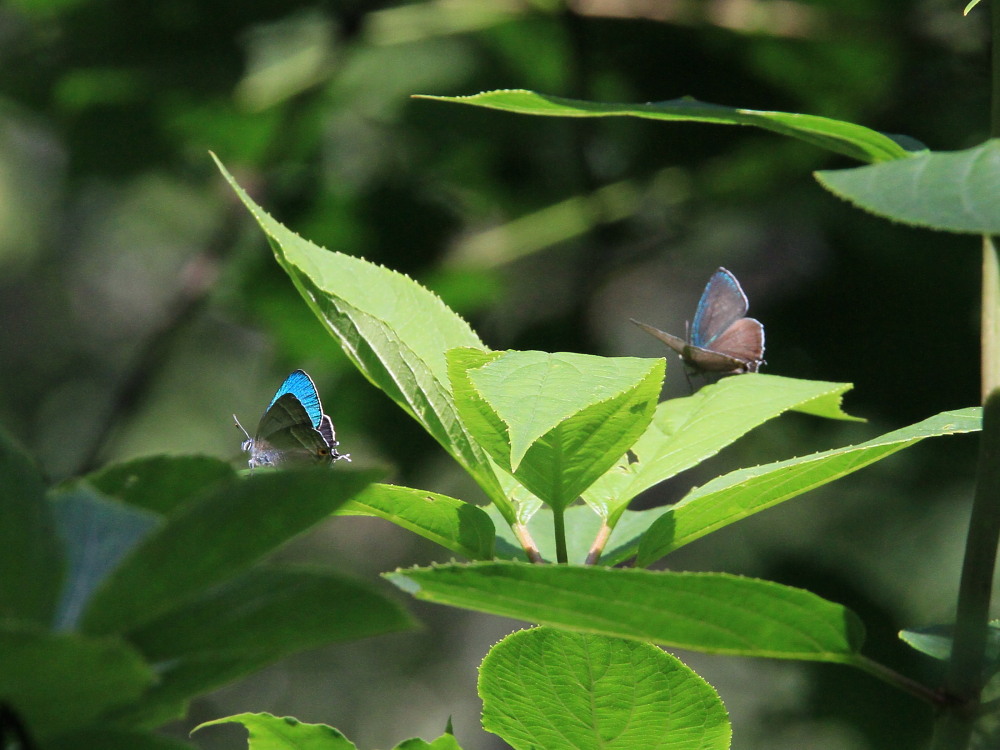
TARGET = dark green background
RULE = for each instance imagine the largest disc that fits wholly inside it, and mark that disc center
(141, 308)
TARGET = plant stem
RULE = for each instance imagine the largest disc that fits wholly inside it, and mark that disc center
(599, 543)
(559, 527)
(527, 543)
(901, 681)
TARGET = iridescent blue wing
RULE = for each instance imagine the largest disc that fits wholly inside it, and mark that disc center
(301, 386)
(722, 304)
(286, 435)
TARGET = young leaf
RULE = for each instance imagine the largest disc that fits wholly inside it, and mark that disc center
(555, 421)
(211, 540)
(60, 682)
(742, 493)
(952, 191)
(96, 533)
(31, 562)
(543, 688)
(394, 330)
(454, 524)
(444, 742)
(160, 483)
(268, 732)
(686, 431)
(837, 136)
(936, 640)
(712, 612)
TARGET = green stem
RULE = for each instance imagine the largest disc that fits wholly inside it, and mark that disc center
(559, 524)
(901, 681)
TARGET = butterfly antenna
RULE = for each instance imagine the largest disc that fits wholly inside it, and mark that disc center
(241, 427)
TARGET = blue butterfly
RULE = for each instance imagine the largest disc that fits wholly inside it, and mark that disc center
(721, 339)
(294, 428)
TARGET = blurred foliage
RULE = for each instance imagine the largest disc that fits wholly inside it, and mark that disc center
(141, 309)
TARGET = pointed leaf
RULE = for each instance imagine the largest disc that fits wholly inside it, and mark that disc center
(712, 612)
(96, 533)
(557, 690)
(742, 493)
(160, 483)
(394, 330)
(949, 190)
(269, 732)
(560, 420)
(444, 742)
(211, 540)
(31, 563)
(838, 136)
(59, 682)
(686, 431)
(273, 611)
(936, 640)
(454, 524)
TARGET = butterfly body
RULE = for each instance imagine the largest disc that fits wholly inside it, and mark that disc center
(294, 429)
(722, 339)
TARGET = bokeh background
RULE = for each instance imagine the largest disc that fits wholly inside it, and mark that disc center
(141, 308)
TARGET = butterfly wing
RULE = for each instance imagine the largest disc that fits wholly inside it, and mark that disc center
(286, 435)
(301, 386)
(722, 304)
(743, 341)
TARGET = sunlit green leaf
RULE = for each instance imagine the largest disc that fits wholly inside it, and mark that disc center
(742, 493)
(713, 612)
(949, 190)
(268, 732)
(833, 135)
(545, 688)
(686, 431)
(395, 331)
(454, 524)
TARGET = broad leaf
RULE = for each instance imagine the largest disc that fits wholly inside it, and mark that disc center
(394, 330)
(837, 136)
(59, 682)
(274, 612)
(954, 191)
(96, 533)
(108, 738)
(31, 563)
(211, 540)
(454, 524)
(444, 742)
(686, 431)
(713, 612)
(742, 493)
(268, 732)
(544, 688)
(555, 421)
(160, 483)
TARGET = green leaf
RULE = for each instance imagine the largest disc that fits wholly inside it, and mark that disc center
(543, 688)
(108, 738)
(160, 483)
(555, 421)
(273, 612)
(686, 431)
(444, 742)
(268, 732)
(953, 191)
(395, 331)
(96, 533)
(742, 493)
(936, 640)
(454, 524)
(712, 612)
(60, 682)
(211, 540)
(31, 563)
(838, 136)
